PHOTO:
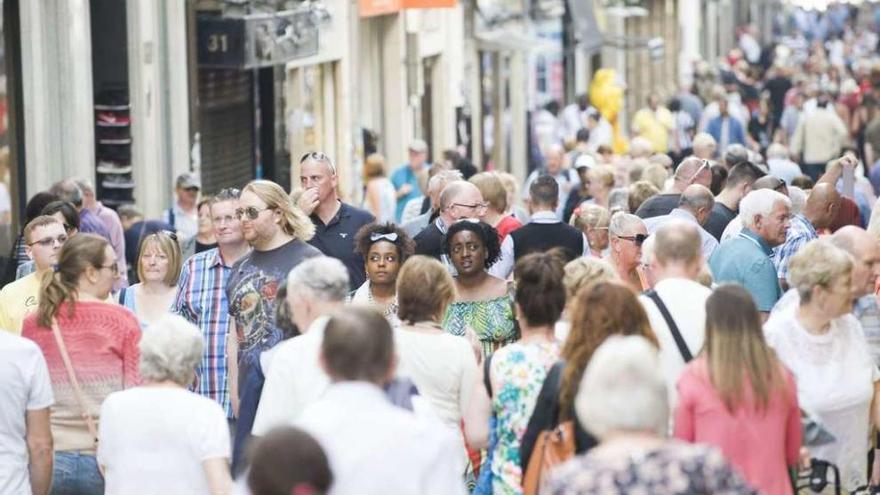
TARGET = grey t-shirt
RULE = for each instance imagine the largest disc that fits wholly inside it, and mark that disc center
(251, 291)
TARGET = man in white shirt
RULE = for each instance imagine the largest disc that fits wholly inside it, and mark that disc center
(695, 207)
(25, 435)
(294, 376)
(676, 264)
(373, 446)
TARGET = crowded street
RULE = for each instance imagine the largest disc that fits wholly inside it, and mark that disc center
(439, 247)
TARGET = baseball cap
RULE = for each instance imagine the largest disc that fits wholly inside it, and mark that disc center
(419, 146)
(188, 180)
(584, 160)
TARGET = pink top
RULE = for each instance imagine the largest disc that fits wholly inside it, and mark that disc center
(102, 342)
(760, 444)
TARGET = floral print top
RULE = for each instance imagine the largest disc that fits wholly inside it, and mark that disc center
(675, 468)
(492, 320)
(518, 370)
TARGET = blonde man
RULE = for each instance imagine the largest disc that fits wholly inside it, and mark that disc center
(277, 232)
(43, 238)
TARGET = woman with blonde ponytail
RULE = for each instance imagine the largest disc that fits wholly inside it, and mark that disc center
(91, 350)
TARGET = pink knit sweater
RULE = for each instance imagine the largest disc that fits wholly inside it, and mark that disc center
(102, 341)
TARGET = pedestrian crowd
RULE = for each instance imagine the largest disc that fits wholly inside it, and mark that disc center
(695, 313)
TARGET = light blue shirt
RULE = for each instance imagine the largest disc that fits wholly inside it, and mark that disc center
(405, 175)
(747, 260)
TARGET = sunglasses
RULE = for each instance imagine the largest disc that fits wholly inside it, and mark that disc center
(704, 166)
(252, 212)
(638, 239)
(170, 233)
(50, 241)
(390, 237)
(317, 156)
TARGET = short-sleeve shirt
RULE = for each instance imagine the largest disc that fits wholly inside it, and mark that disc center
(747, 260)
(336, 239)
(24, 379)
(719, 218)
(17, 300)
(251, 292)
(405, 175)
(154, 440)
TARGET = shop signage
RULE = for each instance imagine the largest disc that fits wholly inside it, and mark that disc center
(259, 40)
(369, 8)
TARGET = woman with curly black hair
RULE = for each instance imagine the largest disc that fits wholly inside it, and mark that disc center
(384, 247)
(483, 303)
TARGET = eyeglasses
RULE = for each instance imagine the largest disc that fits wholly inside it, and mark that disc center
(638, 239)
(114, 268)
(50, 241)
(251, 212)
(170, 233)
(390, 237)
(704, 166)
(779, 185)
(475, 206)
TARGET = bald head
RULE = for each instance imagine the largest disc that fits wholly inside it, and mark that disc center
(698, 200)
(865, 250)
(771, 182)
(822, 205)
(460, 199)
(692, 170)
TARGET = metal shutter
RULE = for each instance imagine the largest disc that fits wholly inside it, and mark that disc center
(226, 121)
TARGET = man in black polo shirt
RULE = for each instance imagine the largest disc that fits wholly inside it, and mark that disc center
(543, 232)
(336, 222)
(691, 170)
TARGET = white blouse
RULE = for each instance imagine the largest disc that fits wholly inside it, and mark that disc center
(835, 381)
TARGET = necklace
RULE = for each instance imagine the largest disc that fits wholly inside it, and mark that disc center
(389, 309)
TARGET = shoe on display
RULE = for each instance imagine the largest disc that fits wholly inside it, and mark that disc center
(107, 167)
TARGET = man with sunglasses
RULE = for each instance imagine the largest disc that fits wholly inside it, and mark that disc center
(43, 238)
(336, 223)
(691, 170)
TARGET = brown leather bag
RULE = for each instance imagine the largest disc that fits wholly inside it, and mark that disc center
(552, 448)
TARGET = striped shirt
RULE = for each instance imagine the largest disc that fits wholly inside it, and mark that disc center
(201, 299)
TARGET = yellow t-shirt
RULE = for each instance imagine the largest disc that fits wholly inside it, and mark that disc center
(17, 300)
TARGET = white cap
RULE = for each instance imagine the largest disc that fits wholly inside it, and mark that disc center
(584, 160)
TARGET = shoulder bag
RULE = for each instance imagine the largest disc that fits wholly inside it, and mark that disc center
(552, 448)
(673, 328)
(77, 390)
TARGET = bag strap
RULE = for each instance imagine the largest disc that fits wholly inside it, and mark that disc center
(77, 390)
(673, 328)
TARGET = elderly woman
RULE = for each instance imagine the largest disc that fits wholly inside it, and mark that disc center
(622, 401)
(495, 195)
(627, 233)
(823, 344)
(160, 437)
(158, 268)
(384, 247)
(593, 221)
(442, 366)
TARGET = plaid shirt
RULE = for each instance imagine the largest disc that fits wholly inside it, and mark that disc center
(800, 232)
(201, 299)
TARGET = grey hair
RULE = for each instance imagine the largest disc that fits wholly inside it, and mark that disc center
(760, 202)
(322, 278)
(442, 178)
(623, 389)
(623, 223)
(777, 150)
(171, 348)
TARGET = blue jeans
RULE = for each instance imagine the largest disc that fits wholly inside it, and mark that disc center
(76, 474)
(250, 390)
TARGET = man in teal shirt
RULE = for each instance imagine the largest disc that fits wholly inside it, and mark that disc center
(747, 259)
(406, 177)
